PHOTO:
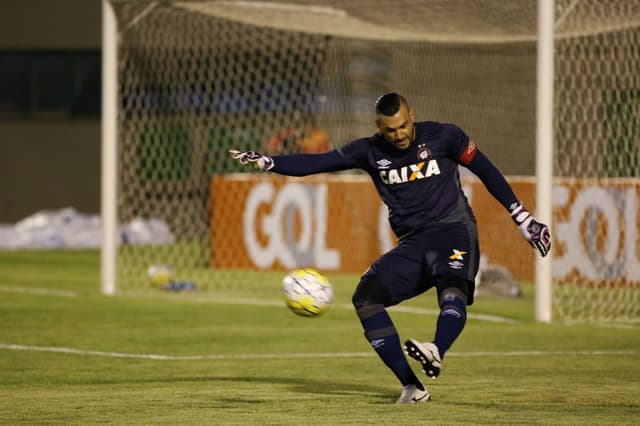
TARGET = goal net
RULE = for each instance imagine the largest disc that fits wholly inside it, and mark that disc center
(198, 78)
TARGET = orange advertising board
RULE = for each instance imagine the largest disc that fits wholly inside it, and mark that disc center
(273, 222)
(338, 223)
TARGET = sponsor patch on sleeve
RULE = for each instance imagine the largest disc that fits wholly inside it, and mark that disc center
(468, 153)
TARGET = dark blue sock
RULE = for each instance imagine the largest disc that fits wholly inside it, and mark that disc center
(383, 337)
(453, 315)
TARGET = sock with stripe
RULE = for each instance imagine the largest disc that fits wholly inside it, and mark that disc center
(453, 316)
(381, 333)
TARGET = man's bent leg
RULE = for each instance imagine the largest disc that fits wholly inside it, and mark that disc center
(452, 298)
(370, 300)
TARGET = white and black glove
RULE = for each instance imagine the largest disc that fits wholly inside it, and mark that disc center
(253, 158)
(536, 233)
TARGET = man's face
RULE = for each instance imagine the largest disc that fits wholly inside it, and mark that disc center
(398, 129)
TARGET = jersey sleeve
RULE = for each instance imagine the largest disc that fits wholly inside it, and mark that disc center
(462, 148)
(309, 164)
(355, 152)
(350, 156)
(493, 180)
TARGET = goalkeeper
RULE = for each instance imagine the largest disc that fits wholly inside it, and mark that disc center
(414, 166)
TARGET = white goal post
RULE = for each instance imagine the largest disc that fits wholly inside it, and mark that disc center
(549, 89)
(544, 151)
(109, 128)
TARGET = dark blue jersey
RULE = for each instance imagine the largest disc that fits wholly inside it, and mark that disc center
(420, 185)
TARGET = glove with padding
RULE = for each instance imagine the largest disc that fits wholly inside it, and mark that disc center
(536, 233)
(253, 158)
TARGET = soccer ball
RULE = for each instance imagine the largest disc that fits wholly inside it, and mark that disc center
(160, 274)
(307, 292)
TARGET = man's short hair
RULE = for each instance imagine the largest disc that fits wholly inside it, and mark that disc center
(389, 103)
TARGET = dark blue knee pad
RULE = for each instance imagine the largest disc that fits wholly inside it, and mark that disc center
(449, 286)
(370, 291)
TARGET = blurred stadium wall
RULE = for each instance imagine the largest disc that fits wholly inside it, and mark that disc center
(49, 158)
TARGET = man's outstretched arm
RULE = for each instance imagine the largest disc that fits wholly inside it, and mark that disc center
(294, 164)
(535, 232)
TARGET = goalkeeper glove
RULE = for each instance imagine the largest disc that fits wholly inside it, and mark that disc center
(536, 233)
(256, 159)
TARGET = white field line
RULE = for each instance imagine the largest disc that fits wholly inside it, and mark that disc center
(160, 357)
(279, 303)
(259, 302)
(435, 312)
(405, 309)
(38, 290)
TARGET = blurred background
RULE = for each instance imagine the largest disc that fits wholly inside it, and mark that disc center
(49, 106)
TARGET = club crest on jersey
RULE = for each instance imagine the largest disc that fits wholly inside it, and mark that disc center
(421, 170)
(423, 153)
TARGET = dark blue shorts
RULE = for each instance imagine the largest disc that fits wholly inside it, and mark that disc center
(440, 249)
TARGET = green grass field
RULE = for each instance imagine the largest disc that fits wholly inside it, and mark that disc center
(71, 356)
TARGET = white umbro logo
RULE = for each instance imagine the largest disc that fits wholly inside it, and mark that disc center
(383, 164)
(376, 343)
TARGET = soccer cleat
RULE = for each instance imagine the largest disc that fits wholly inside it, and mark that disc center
(411, 394)
(425, 353)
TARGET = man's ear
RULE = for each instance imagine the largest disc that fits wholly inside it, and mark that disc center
(412, 115)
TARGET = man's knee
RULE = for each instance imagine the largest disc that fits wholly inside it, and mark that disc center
(451, 286)
(370, 292)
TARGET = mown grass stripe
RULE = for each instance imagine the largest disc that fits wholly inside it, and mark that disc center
(75, 351)
(38, 290)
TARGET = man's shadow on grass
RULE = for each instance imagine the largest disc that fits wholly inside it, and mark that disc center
(379, 394)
